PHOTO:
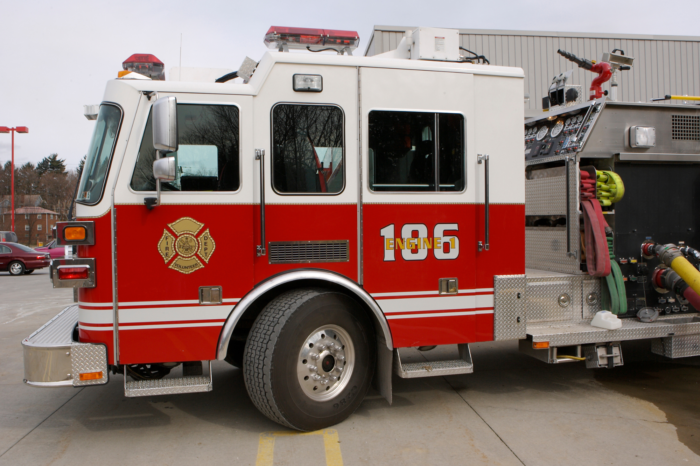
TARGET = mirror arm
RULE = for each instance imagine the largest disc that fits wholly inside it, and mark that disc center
(152, 202)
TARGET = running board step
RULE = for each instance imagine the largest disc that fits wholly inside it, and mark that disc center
(169, 386)
(412, 370)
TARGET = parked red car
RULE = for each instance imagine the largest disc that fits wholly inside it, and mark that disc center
(56, 252)
(19, 259)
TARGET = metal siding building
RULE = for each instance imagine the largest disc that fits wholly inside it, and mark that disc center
(662, 64)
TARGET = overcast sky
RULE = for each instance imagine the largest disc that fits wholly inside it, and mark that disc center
(56, 57)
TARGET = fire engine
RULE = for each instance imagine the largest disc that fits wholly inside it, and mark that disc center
(311, 214)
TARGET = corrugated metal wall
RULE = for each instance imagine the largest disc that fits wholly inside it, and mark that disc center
(663, 64)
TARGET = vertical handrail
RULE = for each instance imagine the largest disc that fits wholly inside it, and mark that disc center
(485, 159)
(260, 155)
(567, 161)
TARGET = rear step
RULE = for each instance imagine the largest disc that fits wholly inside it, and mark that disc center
(413, 370)
(169, 386)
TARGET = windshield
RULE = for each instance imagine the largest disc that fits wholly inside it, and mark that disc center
(99, 155)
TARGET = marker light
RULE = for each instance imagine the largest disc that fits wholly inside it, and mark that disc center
(91, 375)
(300, 38)
(540, 345)
(74, 233)
(308, 83)
(145, 64)
(76, 272)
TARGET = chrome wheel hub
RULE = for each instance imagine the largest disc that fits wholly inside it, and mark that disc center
(15, 268)
(325, 364)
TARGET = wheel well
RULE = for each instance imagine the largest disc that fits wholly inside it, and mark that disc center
(245, 323)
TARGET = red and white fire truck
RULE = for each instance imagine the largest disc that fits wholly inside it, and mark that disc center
(303, 224)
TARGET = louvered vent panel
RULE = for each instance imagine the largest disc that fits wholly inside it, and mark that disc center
(685, 127)
(303, 252)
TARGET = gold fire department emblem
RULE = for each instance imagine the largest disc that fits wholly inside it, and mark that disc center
(184, 250)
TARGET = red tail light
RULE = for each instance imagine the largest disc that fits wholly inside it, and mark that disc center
(73, 273)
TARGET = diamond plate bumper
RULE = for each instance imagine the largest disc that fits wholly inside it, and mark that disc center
(53, 359)
(582, 333)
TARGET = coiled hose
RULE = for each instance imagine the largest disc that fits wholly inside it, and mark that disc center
(606, 186)
(616, 297)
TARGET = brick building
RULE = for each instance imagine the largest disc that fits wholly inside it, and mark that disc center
(21, 200)
(33, 225)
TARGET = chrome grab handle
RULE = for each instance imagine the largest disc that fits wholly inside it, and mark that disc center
(485, 159)
(260, 155)
(568, 207)
(567, 162)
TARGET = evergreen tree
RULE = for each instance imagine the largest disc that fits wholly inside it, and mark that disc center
(81, 165)
(51, 164)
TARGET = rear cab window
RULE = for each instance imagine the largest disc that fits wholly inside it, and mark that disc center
(402, 148)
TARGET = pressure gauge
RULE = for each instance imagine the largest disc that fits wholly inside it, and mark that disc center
(542, 133)
(557, 129)
(568, 121)
(579, 119)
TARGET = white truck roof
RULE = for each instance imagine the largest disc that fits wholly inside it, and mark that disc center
(269, 59)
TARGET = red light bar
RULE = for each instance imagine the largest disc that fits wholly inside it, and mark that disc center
(22, 129)
(146, 64)
(300, 38)
(73, 273)
(4, 129)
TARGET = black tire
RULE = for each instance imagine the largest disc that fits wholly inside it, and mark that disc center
(16, 268)
(27, 272)
(272, 367)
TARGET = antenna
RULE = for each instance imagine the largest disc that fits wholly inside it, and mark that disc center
(180, 53)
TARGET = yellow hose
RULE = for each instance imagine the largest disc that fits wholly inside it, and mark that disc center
(690, 274)
(575, 358)
(683, 97)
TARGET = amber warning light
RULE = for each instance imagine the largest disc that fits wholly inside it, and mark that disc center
(283, 38)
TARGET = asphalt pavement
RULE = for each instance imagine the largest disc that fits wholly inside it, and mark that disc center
(512, 410)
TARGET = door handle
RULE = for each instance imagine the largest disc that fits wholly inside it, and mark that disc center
(485, 160)
(260, 155)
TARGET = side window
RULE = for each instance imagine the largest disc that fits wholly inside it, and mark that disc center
(4, 250)
(402, 148)
(208, 154)
(307, 149)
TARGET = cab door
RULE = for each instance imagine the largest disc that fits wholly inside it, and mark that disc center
(309, 151)
(418, 207)
(183, 265)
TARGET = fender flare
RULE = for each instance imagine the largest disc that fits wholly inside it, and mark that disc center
(292, 276)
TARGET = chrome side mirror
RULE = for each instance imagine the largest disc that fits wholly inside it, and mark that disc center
(165, 124)
(164, 169)
(165, 140)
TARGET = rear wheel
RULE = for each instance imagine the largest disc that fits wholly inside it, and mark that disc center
(309, 359)
(16, 268)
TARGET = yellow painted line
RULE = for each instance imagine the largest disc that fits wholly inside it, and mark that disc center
(331, 444)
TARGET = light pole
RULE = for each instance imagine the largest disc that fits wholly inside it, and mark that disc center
(18, 129)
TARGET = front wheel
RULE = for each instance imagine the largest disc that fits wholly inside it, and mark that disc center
(16, 268)
(309, 359)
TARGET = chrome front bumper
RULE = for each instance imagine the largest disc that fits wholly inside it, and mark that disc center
(53, 359)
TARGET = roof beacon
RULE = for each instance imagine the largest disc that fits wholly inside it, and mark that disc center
(285, 38)
(144, 64)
